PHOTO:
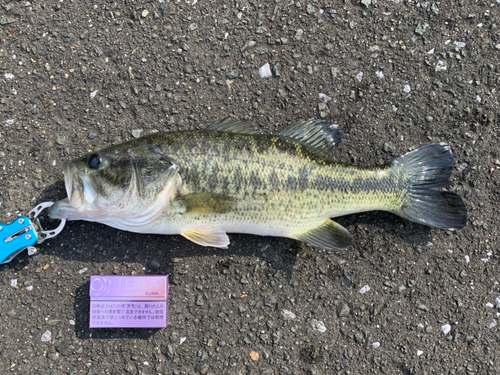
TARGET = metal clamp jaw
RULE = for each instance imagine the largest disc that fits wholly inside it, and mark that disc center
(24, 233)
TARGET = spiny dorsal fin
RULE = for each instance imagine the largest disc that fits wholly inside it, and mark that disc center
(207, 237)
(320, 136)
(205, 203)
(232, 125)
(329, 235)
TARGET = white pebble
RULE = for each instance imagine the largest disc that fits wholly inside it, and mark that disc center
(54, 163)
(479, 25)
(83, 270)
(467, 259)
(419, 353)
(459, 44)
(429, 244)
(47, 336)
(441, 65)
(13, 283)
(490, 305)
(462, 167)
(494, 323)
(359, 76)
(265, 71)
(182, 340)
(13, 90)
(431, 51)
(376, 345)
(379, 74)
(29, 288)
(239, 15)
(478, 99)
(364, 289)
(450, 251)
(394, 108)
(9, 121)
(319, 326)
(447, 42)
(9, 76)
(407, 88)
(93, 94)
(146, 363)
(72, 322)
(446, 329)
(288, 315)
(325, 97)
(498, 302)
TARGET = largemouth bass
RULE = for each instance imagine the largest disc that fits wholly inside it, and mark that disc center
(230, 178)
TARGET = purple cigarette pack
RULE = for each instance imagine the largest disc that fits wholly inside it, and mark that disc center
(128, 301)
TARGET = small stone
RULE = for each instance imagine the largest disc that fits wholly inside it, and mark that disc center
(261, 50)
(364, 289)
(60, 139)
(192, 27)
(232, 75)
(47, 336)
(298, 34)
(310, 9)
(446, 329)
(366, 3)
(91, 135)
(199, 300)
(429, 118)
(318, 325)
(388, 147)
(254, 355)
(421, 29)
(271, 301)
(144, 13)
(344, 310)
(260, 30)
(136, 133)
(54, 356)
(376, 345)
(6, 20)
(422, 307)
(47, 67)
(265, 71)
(288, 315)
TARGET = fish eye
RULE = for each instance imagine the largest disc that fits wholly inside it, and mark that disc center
(94, 161)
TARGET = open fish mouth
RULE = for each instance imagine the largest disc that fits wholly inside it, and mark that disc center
(81, 191)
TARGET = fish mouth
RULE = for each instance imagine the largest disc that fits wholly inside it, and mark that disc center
(81, 191)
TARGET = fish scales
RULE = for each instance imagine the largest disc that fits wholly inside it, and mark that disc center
(258, 169)
(202, 184)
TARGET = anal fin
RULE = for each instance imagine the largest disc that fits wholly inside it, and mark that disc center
(329, 235)
(207, 237)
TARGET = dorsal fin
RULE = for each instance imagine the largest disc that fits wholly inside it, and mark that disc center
(232, 125)
(319, 135)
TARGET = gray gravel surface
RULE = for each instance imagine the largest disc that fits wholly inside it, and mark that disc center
(76, 76)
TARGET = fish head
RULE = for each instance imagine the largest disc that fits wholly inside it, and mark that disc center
(117, 185)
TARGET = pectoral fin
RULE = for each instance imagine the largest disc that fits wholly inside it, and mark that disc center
(329, 235)
(207, 237)
(205, 203)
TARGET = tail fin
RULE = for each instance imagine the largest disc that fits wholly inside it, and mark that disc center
(424, 172)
